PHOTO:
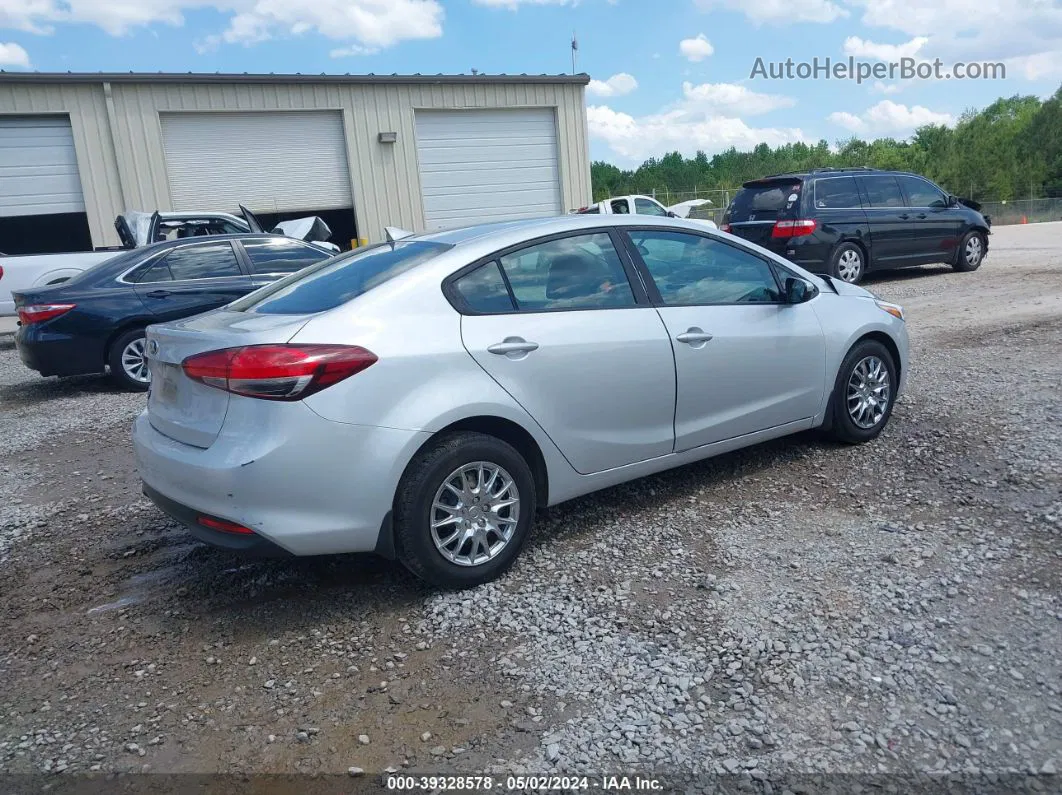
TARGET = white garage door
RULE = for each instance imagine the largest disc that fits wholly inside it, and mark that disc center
(487, 165)
(270, 162)
(38, 167)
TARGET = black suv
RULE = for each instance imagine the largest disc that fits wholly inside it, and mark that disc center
(846, 221)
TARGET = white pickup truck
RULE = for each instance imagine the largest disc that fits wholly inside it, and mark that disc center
(647, 205)
(135, 229)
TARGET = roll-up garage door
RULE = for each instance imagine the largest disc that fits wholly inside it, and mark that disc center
(268, 161)
(38, 167)
(478, 166)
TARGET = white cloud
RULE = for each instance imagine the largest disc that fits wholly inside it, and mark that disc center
(12, 54)
(781, 12)
(1026, 35)
(863, 48)
(512, 5)
(365, 23)
(615, 86)
(696, 49)
(886, 88)
(889, 118)
(705, 119)
(351, 51)
(729, 98)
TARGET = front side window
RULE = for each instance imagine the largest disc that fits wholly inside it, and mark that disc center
(208, 261)
(920, 193)
(580, 272)
(281, 256)
(836, 193)
(646, 207)
(339, 279)
(691, 270)
(882, 191)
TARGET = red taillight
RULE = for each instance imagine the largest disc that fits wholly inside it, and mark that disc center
(223, 526)
(799, 228)
(725, 227)
(38, 313)
(1, 271)
(277, 372)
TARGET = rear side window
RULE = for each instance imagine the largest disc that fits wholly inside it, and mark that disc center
(766, 201)
(620, 207)
(882, 191)
(208, 261)
(281, 256)
(580, 272)
(340, 279)
(484, 291)
(836, 192)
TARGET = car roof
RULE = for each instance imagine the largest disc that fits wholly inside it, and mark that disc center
(536, 227)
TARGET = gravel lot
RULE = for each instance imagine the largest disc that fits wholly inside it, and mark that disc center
(796, 608)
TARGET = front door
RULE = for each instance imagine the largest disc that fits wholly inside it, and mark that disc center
(935, 226)
(745, 360)
(569, 338)
(192, 278)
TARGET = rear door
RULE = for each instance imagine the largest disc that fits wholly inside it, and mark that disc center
(758, 205)
(890, 233)
(745, 360)
(190, 279)
(560, 325)
(935, 227)
(272, 257)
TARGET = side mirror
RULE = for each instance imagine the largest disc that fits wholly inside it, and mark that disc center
(671, 214)
(797, 291)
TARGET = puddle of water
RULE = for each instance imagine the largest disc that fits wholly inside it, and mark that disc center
(139, 588)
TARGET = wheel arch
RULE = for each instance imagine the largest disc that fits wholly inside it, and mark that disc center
(890, 346)
(511, 433)
(126, 325)
(859, 243)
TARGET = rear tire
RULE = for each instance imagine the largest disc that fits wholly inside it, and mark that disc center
(971, 252)
(488, 527)
(864, 393)
(122, 359)
(848, 263)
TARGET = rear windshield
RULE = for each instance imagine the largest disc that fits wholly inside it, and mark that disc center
(335, 281)
(765, 201)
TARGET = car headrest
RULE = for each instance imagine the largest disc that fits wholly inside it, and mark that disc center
(569, 277)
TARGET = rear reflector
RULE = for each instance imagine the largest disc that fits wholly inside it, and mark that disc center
(799, 228)
(38, 313)
(277, 372)
(224, 527)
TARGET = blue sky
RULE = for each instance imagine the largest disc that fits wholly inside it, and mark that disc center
(670, 74)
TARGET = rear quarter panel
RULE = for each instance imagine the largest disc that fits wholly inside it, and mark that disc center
(37, 270)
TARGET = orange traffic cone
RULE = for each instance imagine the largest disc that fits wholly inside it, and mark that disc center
(1024, 220)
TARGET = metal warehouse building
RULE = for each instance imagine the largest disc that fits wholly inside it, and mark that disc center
(363, 152)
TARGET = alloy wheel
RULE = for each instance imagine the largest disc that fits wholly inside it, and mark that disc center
(974, 251)
(134, 361)
(868, 392)
(474, 513)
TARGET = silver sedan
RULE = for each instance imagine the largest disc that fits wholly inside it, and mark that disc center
(421, 399)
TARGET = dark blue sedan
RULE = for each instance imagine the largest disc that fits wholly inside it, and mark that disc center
(95, 322)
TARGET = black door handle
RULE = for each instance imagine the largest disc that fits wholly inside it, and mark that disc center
(903, 216)
(158, 294)
(921, 215)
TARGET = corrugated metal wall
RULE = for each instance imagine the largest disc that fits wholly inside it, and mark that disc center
(86, 106)
(386, 184)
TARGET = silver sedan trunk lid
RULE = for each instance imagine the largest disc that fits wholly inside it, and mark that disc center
(186, 410)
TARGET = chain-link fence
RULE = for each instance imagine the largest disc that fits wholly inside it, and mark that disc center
(1023, 211)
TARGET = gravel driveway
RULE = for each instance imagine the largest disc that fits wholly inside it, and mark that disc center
(797, 608)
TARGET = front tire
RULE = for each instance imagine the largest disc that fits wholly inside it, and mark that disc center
(848, 263)
(971, 252)
(128, 362)
(864, 393)
(463, 509)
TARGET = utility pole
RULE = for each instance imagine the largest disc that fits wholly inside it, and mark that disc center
(575, 49)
